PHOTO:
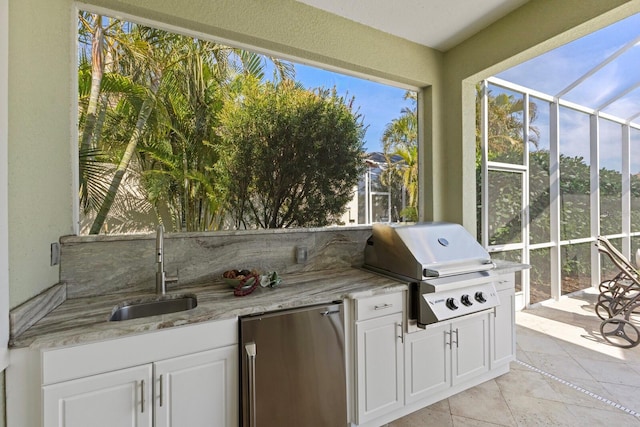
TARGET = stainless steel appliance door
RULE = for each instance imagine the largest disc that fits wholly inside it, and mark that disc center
(293, 368)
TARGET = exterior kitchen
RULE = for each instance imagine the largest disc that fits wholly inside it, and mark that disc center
(366, 323)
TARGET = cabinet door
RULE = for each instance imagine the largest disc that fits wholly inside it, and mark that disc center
(119, 398)
(427, 362)
(379, 369)
(198, 390)
(503, 342)
(470, 347)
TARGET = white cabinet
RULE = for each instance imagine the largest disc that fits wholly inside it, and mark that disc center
(183, 376)
(379, 356)
(503, 342)
(470, 347)
(120, 398)
(427, 362)
(195, 390)
(446, 354)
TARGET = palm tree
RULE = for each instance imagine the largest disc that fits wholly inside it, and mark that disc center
(400, 146)
(505, 127)
(178, 160)
(402, 131)
(91, 69)
(170, 144)
(407, 169)
(153, 68)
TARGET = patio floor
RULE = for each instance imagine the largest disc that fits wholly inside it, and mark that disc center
(565, 375)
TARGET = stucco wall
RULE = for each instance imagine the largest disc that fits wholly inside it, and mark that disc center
(40, 103)
(4, 212)
(2, 402)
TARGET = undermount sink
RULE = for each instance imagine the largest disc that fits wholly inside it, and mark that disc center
(154, 308)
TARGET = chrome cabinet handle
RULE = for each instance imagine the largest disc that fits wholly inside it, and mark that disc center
(382, 306)
(447, 334)
(251, 350)
(401, 336)
(456, 341)
(142, 396)
(161, 389)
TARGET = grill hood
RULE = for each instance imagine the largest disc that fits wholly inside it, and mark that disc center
(424, 250)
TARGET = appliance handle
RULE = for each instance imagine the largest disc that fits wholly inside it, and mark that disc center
(250, 348)
(468, 267)
(142, 391)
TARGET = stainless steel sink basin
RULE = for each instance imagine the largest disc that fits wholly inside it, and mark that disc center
(154, 308)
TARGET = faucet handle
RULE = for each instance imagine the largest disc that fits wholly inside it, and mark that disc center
(173, 279)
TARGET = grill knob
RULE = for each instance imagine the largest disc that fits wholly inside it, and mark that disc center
(452, 304)
(464, 299)
(480, 297)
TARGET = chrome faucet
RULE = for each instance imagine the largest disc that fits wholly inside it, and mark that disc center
(161, 276)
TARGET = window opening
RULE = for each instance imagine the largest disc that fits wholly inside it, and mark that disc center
(590, 149)
(203, 136)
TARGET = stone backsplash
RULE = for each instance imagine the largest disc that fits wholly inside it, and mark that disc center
(100, 265)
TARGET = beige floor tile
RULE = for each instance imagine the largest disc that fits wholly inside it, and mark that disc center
(625, 395)
(526, 383)
(594, 417)
(556, 330)
(610, 371)
(583, 395)
(522, 356)
(557, 364)
(441, 406)
(592, 347)
(529, 412)
(484, 402)
(530, 340)
(630, 359)
(468, 422)
(425, 418)
(632, 356)
(533, 384)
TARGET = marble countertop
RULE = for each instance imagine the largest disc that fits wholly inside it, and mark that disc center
(82, 320)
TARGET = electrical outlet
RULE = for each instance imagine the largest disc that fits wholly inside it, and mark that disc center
(55, 253)
(301, 254)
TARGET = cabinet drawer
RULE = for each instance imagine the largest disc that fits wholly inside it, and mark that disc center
(379, 305)
(505, 281)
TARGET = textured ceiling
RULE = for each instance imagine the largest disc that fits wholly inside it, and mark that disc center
(440, 24)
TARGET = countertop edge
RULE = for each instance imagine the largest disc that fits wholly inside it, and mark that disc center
(84, 320)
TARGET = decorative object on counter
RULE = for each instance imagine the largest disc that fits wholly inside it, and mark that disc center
(270, 279)
(241, 290)
(243, 281)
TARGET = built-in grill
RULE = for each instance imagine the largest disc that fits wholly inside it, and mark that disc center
(449, 272)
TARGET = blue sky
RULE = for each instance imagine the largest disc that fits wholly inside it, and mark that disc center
(379, 104)
(549, 73)
(552, 72)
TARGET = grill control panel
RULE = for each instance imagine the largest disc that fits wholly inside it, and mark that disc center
(443, 305)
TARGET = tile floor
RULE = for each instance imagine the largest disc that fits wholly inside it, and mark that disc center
(565, 375)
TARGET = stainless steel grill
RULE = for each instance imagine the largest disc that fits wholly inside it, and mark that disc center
(448, 270)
